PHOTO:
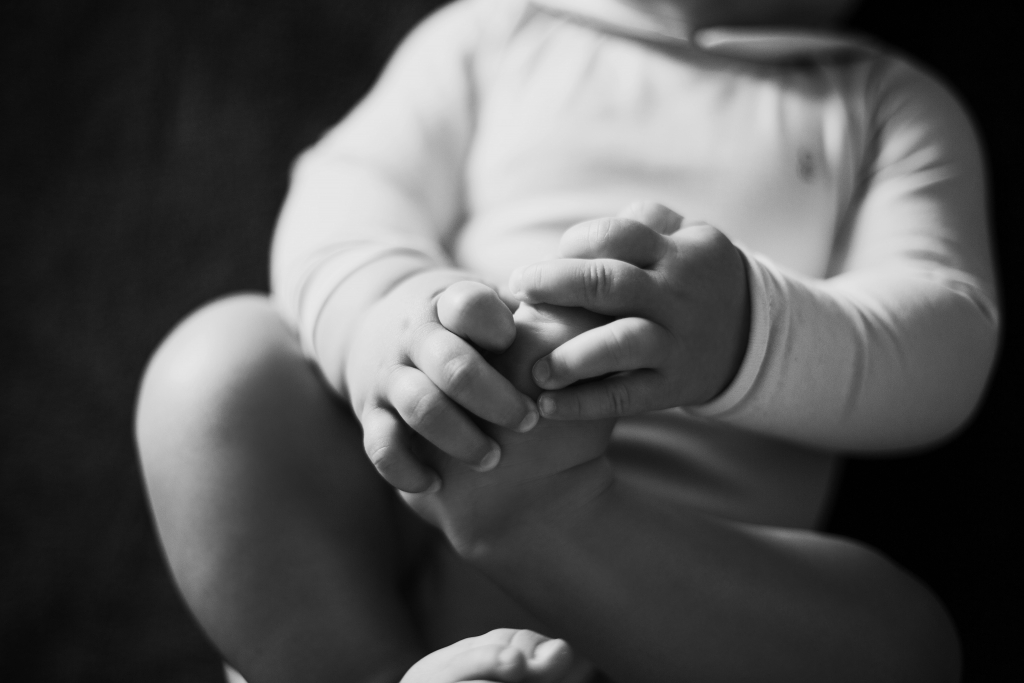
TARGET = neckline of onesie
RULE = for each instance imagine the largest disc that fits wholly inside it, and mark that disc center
(748, 43)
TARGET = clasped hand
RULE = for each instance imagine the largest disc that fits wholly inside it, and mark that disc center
(415, 375)
(681, 304)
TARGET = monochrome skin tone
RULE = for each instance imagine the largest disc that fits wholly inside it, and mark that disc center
(558, 360)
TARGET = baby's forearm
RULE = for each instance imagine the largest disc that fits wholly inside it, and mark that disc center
(874, 360)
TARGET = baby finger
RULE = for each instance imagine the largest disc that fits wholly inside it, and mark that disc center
(625, 239)
(657, 217)
(619, 346)
(439, 420)
(462, 374)
(637, 392)
(384, 444)
(475, 312)
(606, 286)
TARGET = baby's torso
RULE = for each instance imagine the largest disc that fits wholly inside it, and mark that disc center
(575, 122)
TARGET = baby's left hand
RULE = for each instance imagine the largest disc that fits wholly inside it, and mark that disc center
(682, 309)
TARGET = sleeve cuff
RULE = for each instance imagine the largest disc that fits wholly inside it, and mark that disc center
(761, 309)
(316, 292)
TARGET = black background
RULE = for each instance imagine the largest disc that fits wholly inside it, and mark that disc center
(145, 149)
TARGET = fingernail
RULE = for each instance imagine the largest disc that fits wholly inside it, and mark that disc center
(515, 283)
(546, 405)
(530, 421)
(435, 486)
(489, 461)
(541, 371)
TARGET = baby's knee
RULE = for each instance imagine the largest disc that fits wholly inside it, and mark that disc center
(226, 352)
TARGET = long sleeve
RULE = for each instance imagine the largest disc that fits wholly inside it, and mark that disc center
(376, 198)
(894, 350)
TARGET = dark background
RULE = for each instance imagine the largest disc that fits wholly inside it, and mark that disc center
(144, 149)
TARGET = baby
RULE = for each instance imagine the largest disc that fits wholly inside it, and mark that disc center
(600, 287)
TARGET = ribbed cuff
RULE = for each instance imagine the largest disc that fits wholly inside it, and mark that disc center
(761, 308)
(333, 274)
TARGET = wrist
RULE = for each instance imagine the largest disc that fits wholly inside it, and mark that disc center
(348, 306)
(426, 283)
(388, 301)
(339, 317)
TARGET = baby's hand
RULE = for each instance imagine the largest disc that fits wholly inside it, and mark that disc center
(412, 365)
(547, 473)
(506, 655)
(682, 309)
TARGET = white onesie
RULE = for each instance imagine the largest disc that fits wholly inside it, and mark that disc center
(852, 182)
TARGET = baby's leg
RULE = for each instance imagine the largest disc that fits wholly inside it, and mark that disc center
(279, 532)
(654, 590)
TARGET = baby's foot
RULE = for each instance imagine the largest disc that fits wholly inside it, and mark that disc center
(552, 469)
(553, 445)
(506, 655)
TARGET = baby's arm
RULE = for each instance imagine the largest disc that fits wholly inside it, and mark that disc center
(892, 351)
(358, 258)
(681, 306)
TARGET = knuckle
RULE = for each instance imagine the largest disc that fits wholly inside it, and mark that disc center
(531, 278)
(383, 457)
(708, 236)
(571, 404)
(502, 636)
(619, 399)
(465, 297)
(383, 454)
(599, 234)
(597, 280)
(459, 374)
(425, 410)
(638, 208)
(620, 346)
(379, 436)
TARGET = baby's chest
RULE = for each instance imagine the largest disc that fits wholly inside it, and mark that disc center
(770, 161)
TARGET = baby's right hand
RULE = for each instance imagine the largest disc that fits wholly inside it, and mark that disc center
(412, 366)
